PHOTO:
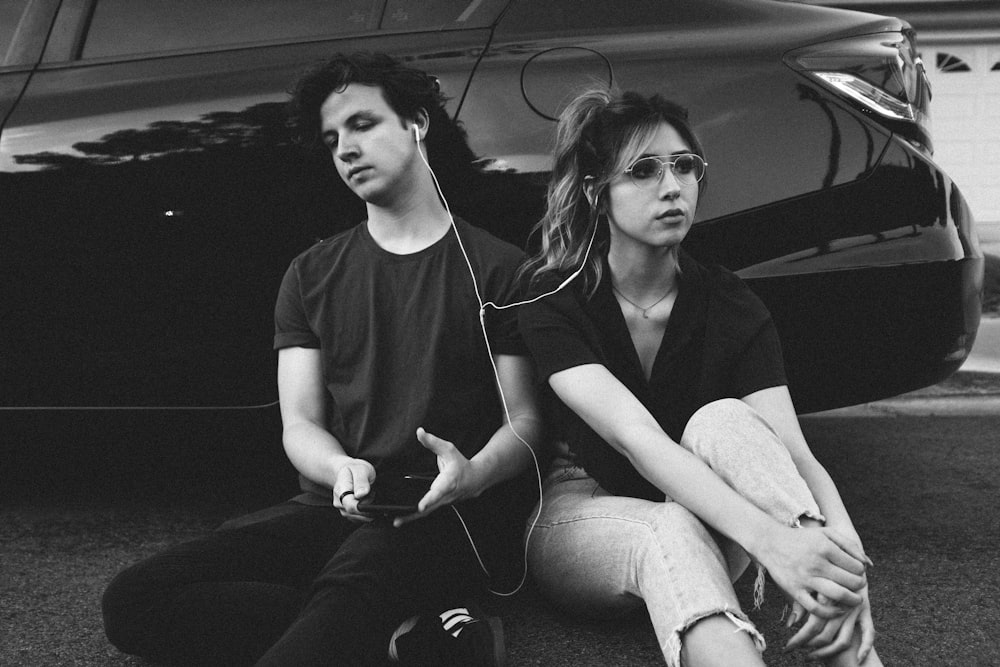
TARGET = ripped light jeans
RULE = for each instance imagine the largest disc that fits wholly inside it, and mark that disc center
(600, 555)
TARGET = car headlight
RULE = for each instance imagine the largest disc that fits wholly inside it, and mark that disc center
(881, 73)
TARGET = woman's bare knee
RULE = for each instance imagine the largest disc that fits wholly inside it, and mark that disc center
(719, 640)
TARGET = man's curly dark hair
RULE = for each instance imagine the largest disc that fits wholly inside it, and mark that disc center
(407, 91)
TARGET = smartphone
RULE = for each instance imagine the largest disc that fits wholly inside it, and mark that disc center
(395, 493)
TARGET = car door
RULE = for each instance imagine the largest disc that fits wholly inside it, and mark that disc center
(151, 197)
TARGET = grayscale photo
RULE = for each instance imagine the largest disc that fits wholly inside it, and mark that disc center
(499, 333)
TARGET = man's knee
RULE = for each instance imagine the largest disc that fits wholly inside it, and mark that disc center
(123, 607)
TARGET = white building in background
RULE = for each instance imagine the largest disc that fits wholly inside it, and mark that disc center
(959, 41)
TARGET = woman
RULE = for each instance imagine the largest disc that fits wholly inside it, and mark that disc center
(680, 453)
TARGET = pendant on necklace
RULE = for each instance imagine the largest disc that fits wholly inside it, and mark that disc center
(644, 311)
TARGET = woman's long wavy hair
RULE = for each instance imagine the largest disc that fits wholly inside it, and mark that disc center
(598, 135)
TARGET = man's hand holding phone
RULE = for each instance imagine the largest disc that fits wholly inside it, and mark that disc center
(353, 483)
(362, 494)
(395, 494)
(455, 481)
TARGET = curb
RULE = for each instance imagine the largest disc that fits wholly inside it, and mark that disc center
(961, 405)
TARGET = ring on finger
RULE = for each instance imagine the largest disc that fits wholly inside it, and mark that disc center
(344, 495)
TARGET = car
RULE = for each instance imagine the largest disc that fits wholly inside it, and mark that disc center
(151, 196)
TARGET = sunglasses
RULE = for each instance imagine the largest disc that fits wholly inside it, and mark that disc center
(688, 169)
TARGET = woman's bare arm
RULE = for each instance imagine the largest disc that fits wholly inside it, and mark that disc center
(802, 564)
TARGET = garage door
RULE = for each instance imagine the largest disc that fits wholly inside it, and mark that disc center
(965, 121)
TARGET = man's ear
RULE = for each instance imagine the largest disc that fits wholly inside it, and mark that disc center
(420, 123)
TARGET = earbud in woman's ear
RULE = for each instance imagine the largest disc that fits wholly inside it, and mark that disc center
(588, 190)
(416, 133)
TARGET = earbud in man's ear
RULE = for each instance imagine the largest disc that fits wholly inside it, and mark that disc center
(416, 133)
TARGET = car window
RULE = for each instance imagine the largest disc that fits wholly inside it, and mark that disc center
(134, 27)
(439, 14)
(11, 13)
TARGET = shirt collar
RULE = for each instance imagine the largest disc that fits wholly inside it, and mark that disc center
(688, 316)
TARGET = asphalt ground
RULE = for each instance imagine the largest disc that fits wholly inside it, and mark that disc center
(918, 473)
(921, 486)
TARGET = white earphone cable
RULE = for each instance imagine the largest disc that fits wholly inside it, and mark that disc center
(496, 373)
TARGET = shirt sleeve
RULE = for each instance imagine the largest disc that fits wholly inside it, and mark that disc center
(505, 338)
(555, 332)
(291, 325)
(502, 261)
(761, 364)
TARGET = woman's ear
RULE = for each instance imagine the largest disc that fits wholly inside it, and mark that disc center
(590, 190)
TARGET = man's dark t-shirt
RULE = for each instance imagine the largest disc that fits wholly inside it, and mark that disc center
(401, 342)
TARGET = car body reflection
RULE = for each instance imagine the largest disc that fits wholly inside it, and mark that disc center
(151, 200)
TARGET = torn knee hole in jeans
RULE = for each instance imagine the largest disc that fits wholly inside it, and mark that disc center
(738, 618)
(796, 521)
(758, 586)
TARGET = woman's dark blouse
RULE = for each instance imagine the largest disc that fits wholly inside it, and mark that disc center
(719, 342)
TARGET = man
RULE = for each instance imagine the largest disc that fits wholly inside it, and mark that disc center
(382, 367)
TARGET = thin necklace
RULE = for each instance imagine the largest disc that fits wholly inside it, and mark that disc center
(644, 311)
